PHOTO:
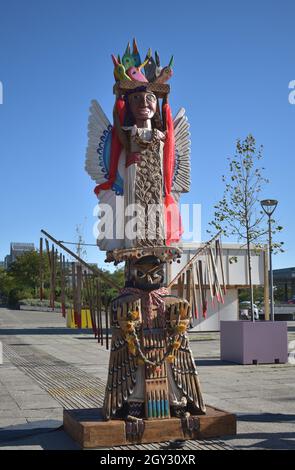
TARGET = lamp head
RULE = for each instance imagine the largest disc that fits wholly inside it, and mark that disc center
(269, 205)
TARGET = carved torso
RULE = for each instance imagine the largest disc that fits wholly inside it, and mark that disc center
(144, 186)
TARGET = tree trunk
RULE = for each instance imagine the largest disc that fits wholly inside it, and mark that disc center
(250, 280)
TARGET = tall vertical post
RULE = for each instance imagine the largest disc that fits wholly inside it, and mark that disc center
(79, 295)
(266, 284)
(52, 278)
(272, 313)
(269, 206)
(41, 268)
(62, 285)
(74, 292)
(106, 309)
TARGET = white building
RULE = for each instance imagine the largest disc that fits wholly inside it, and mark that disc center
(234, 258)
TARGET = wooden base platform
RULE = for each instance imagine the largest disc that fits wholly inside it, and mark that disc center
(89, 430)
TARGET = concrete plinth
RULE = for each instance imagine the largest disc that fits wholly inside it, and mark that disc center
(246, 342)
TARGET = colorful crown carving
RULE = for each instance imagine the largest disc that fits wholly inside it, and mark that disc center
(131, 68)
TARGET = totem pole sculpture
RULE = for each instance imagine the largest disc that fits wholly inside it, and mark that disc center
(141, 165)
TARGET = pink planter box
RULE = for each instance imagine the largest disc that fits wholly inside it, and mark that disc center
(261, 342)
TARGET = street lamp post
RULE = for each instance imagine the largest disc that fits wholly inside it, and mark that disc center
(269, 206)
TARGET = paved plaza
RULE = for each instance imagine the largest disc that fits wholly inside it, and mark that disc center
(47, 367)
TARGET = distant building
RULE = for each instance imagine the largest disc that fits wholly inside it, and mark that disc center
(284, 279)
(1, 264)
(17, 249)
(7, 262)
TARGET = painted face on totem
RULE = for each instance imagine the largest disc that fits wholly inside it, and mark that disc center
(143, 105)
(146, 273)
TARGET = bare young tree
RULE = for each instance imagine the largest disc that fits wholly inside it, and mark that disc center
(80, 246)
(239, 213)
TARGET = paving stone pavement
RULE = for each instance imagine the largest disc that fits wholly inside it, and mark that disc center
(47, 366)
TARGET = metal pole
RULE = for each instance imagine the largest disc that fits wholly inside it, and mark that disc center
(272, 315)
(41, 268)
(266, 284)
(269, 206)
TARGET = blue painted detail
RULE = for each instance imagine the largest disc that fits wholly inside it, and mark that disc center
(154, 409)
(166, 408)
(118, 189)
(104, 155)
(105, 142)
(119, 183)
(158, 409)
(162, 408)
(150, 411)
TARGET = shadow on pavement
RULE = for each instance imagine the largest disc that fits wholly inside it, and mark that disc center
(267, 441)
(44, 331)
(213, 362)
(47, 438)
(266, 417)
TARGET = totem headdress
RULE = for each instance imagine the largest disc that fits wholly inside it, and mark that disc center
(131, 74)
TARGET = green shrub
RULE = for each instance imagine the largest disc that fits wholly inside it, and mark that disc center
(38, 303)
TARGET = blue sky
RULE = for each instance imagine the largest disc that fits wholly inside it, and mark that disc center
(233, 63)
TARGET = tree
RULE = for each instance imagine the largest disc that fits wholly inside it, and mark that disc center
(25, 270)
(6, 285)
(22, 280)
(24, 275)
(238, 213)
(116, 276)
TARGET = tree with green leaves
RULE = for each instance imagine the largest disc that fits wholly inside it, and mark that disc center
(239, 213)
(24, 274)
(116, 276)
(6, 285)
(22, 280)
(25, 270)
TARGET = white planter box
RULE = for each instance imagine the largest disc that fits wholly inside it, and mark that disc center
(261, 342)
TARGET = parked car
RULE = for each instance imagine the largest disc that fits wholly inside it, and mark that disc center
(292, 301)
(245, 313)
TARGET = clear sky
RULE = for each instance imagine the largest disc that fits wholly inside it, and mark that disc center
(233, 63)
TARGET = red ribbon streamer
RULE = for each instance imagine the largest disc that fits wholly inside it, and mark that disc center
(174, 228)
